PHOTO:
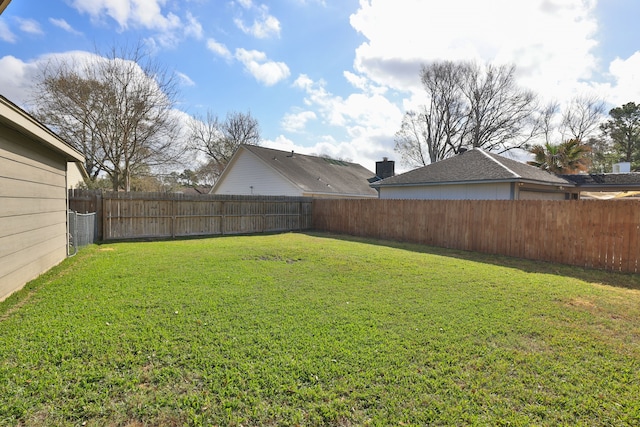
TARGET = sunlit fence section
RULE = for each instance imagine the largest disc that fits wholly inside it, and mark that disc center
(588, 233)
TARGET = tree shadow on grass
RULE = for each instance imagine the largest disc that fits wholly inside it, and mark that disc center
(609, 278)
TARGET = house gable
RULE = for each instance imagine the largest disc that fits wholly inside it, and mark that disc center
(310, 176)
(247, 174)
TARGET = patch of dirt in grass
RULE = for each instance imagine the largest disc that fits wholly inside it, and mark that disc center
(582, 303)
(18, 306)
(276, 258)
(106, 249)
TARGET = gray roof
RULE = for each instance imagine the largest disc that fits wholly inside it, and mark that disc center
(605, 180)
(474, 166)
(317, 174)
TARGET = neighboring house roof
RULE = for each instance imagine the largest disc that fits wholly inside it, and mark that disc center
(16, 118)
(474, 166)
(606, 181)
(313, 174)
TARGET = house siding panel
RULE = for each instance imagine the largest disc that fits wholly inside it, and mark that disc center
(491, 191)
(250, 176)
(33, 205)
(539, 195)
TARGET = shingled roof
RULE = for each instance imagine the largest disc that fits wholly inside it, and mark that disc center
(474, 166)
(315, 174)
(611, 180)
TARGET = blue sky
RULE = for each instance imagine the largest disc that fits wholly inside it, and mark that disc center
(333, 77)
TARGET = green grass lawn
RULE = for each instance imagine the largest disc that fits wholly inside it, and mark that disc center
(314, 329)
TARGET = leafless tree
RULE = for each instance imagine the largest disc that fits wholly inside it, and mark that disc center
(582, 117)
(467, 106)
(117, 109)
(219, 139)
(501, 115)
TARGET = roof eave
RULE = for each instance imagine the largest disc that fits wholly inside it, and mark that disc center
(15, 118)
(3, 5)
(481, 181)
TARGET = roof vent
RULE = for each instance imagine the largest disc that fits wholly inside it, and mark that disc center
(290, 155)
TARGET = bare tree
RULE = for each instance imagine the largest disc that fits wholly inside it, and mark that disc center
(218, 139)
(468, 106)
(501, 115)
(582, 117)
(437, 131)
(117, 109)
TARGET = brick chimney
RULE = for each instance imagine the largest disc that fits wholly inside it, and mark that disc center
(385, 168)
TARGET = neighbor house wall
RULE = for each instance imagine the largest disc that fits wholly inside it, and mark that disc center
(491, 191)
(33, 205)
(248, 175)
(540, 195)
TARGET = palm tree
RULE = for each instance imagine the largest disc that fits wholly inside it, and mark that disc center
(568, 157)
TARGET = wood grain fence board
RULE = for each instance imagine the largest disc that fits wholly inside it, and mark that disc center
(160, 215)
(595, 234)
(634, 238)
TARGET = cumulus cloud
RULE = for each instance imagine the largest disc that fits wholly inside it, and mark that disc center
(5, 33)
(61, 23)
(30, 26)
(264, 24)
(193, 27)
(296, 122)
(368, 118)
(146, 14)
(16, 79)
(544, 38)
(143, 13)
(261, 68)
(624, 84)
(219, 49)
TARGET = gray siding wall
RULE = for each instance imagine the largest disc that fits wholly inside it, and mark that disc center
(491, 191)
(33, 210)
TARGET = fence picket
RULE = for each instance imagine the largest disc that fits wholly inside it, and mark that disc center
(586, 233)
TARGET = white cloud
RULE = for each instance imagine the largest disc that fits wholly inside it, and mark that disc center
(143, 13)
(259, 66)
(193, 27)
(296, 122)
(264, 24)
(16, 79)
(147, 14)
(30, 26)
(550, 41)
(61, 23)
(368, 119)
(219, 49)
(5, 33)
(625, 80)
(247, 4)
(184, 79)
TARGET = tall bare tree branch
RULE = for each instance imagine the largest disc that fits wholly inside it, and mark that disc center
(117, 109)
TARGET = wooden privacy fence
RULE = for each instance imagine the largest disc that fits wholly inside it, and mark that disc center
(588, 233)
(136, 215)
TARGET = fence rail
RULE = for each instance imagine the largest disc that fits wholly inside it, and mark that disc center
(159, 215)
(588, 233)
